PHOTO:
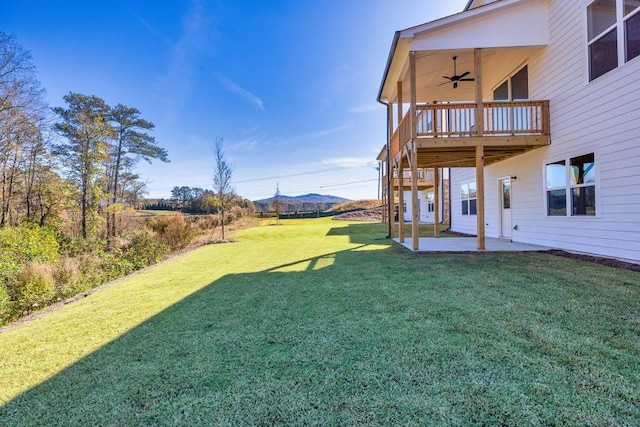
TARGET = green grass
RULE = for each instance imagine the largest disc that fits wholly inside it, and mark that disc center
(317, 322)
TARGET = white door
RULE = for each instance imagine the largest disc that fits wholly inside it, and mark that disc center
(505, 207)
(426, 208)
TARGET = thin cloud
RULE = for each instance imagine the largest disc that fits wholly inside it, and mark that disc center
(232, 87)
(366, 108)
(321, 133)
(349, 162)
(146, 24)
(246, 144)
(174, 85)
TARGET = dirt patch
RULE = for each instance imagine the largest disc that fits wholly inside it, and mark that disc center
(367, 215)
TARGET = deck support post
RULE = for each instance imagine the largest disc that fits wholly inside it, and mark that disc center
(389, 199)
(479, 114)
(401, 202)
(436, 202)
(480, 195)
(413, 156)
(479, 122)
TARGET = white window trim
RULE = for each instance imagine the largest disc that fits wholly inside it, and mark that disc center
(567, 159)
(508, 79)
(462, 183)
(620, 33)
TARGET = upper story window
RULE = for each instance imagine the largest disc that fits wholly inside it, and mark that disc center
(613, 32)
(514, 88)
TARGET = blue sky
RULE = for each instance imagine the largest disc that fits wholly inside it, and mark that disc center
(291, 86)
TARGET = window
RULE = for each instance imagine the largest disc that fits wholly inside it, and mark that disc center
(583, 185)
(430, 202)
(556, 189)
(571, 183)
(605, 28)
(514, 88)
(469, 198)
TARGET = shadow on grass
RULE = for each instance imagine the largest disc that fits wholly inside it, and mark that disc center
(350, 338)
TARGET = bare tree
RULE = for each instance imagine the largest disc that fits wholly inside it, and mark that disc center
(22, 120)
(276, 203)
(222, 172)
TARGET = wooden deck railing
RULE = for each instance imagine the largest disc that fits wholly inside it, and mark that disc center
(458, 121)
(422, 175)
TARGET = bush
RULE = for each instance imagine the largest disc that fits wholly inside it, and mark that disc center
(6, 309)
(145, 249)
(174, 231)
(208, 222)
(32, 288)
(67, 277)
(19, 245)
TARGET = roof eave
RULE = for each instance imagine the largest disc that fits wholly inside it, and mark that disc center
(392, 51)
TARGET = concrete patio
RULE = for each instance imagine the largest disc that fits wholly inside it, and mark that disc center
(468, 244)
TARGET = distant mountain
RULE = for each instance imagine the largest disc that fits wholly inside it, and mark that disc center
(306, 202)
(311, 197)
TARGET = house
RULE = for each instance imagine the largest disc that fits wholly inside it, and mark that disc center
(533, 106)
(426, 194)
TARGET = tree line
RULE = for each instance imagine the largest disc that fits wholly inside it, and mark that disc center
(71, 168)
(193, 200)
(68, 186)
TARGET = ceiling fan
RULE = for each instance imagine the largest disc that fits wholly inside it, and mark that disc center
(456, 78)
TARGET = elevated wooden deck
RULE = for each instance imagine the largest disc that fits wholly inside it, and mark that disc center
(446, 135)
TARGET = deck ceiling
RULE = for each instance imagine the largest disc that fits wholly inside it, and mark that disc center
(432, 66)
(519, 26)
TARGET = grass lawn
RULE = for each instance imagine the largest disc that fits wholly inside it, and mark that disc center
(317, 322)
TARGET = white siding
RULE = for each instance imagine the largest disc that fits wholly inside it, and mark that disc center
(602, 117)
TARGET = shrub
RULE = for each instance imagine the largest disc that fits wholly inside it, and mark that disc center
(208, 222)
(67, 277)
(145, 249)
(19, 245)
(5, 305)
(174, 231)
(32, 288)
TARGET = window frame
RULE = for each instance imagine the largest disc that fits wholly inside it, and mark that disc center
(468, 198)
(507, 80)
(569, 186)
(620, 29)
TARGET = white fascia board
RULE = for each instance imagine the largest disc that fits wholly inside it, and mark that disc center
(394, 71)
(507, 23)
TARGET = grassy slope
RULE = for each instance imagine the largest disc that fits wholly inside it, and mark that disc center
(317, 322)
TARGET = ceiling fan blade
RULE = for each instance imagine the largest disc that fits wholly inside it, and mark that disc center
(466, 80)
(448, 78)
(442, 84)
(463, 74)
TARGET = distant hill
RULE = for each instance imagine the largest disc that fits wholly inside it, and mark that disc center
(306, 202)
